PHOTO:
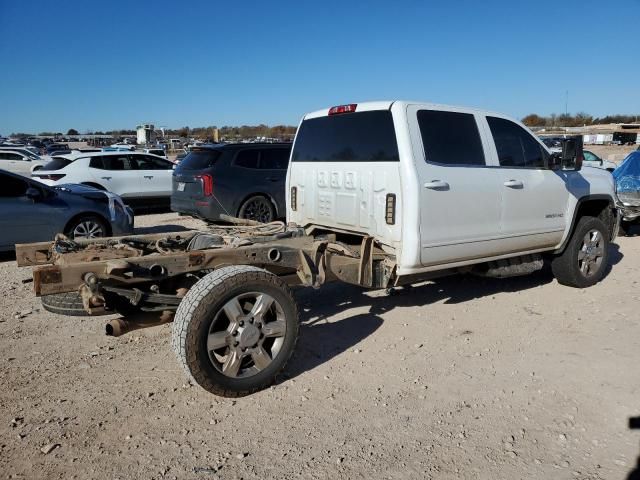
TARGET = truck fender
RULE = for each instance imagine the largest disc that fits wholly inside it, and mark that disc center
(591, 205)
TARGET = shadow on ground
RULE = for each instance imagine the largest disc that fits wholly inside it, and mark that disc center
(160, 229)
(321, 340)
(7, 257)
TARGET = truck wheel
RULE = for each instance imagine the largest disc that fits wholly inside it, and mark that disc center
(258, 208)
(69, 304)
(235, 330)
(584, 261)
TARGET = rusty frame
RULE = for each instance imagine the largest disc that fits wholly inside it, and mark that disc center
(299, 260)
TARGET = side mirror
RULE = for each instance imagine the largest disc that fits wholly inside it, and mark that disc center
(572, 155)
(33, 193)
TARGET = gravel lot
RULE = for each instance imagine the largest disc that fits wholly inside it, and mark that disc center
(463, 377)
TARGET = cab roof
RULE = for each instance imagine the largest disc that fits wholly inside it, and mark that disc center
(387, 104)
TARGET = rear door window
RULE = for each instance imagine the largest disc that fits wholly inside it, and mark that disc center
(247, 158)
(349, 137)
(147, 162)
(10, 156)
(275, 158)
(515, 146)
(96, 162)
(116, 162)
(450, 138)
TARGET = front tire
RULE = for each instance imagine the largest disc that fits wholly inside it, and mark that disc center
(235, 330)
(584, 261)
(87, 227)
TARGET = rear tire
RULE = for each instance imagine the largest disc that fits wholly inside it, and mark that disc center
(259, 208)
(235, 330)
(585, 258)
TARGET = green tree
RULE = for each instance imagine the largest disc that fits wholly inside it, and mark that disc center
(533, 120)
(72, 131)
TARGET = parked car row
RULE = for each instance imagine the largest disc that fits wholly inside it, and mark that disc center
(244, 180)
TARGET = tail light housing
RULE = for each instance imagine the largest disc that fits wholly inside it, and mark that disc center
(337, 110)
(207, 184)
(390, 211)
(54, 177)
(294, 198)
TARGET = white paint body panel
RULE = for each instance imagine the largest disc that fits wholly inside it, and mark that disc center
(476, 219)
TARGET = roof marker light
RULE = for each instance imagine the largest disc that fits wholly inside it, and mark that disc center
(350, 108)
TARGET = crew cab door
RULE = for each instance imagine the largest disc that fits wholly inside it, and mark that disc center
(459, 195)
(534, 199)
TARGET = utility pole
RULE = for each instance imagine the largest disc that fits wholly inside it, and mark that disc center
(566, 103)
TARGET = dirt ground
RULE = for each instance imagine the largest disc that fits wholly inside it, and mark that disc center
(462, 377)
(614, 153)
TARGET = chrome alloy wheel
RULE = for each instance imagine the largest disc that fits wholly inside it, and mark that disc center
(88, 229)
(246, 334)
(591, 253)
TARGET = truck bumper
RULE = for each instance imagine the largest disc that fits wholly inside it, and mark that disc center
(206, 210)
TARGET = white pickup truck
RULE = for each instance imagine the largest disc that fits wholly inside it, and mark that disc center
(463, 187)
(379, 194)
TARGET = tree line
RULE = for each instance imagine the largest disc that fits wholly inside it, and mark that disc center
(578, 120)
(203, 133)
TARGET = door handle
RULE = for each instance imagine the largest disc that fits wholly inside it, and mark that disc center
(514, 183)
(148, 176)
(437, 185)
(106, 178)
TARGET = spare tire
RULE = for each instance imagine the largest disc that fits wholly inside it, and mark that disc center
(69, 304)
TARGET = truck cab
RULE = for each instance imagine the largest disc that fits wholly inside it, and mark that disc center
(438, 186)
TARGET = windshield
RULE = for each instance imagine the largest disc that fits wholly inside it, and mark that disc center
(349, 137)
(590, 157)
(199, 159)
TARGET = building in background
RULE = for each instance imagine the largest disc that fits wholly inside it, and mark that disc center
(145, 134)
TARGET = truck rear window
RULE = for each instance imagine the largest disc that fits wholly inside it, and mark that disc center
(350, 137)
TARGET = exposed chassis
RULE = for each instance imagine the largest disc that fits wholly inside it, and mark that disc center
(152, 272)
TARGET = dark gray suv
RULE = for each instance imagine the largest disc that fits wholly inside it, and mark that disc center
(245, 180)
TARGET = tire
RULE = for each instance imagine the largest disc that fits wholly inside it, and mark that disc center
(88, 226)
(624, 228)
(69, 304)
(258, 208)
(209, 315)
(584, 261)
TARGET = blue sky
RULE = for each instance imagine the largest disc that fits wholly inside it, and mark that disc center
(105, 65)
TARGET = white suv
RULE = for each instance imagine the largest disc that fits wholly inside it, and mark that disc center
(16, 161)
(140, 179)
